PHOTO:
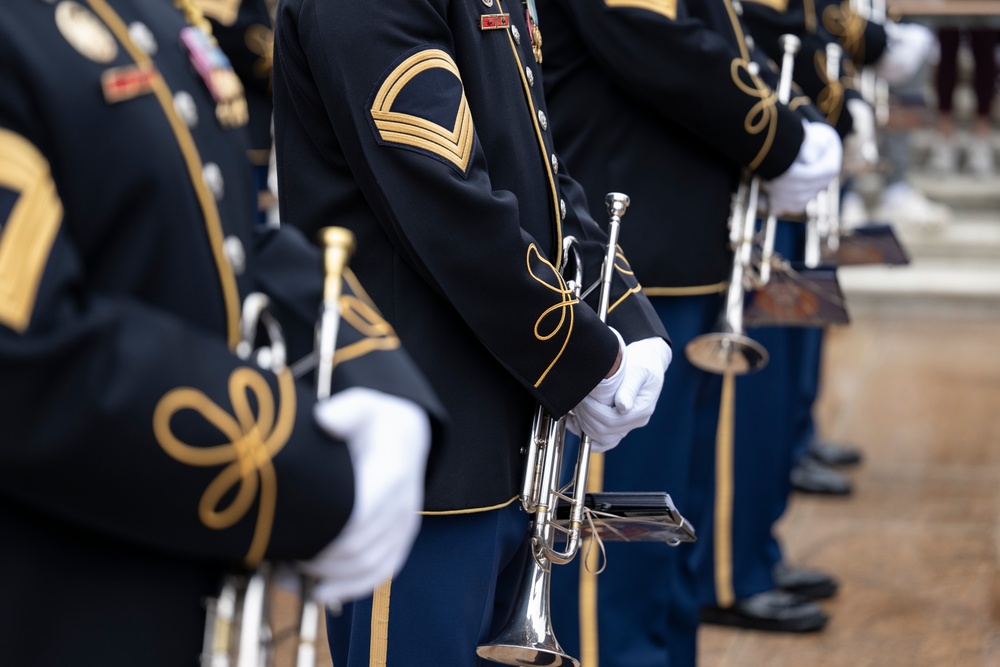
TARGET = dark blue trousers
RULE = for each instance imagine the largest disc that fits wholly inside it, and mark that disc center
(455, 591)
(773, 424)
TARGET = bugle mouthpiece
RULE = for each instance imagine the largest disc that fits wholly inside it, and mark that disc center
(336, 237)
(617, 203)
(790, 44)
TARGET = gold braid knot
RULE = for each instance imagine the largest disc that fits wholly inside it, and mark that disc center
(252, 443)
(848, 27)
(564, 308)
(831, 99)
(763, 114)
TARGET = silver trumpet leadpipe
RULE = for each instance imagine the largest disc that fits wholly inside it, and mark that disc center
(790, 45)
(528, 638)
(880, 14)
(834, 55)
(337, 244)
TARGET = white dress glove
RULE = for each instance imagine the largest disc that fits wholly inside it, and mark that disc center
(861, 145)
(907, 48)
(625, 400)
(388, 438)
(816, 165)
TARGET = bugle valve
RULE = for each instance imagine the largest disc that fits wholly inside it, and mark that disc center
(528, 638)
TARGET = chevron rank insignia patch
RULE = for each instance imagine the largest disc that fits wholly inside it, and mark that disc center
(421, 106)
(667, 8)
(30, 217)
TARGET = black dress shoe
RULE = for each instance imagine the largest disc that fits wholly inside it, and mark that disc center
(811, 476)
(834, 453)
(771, 611)
(810, 584)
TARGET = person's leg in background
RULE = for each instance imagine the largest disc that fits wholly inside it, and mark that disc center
(944, 153)
(980, 157)
(738, 566)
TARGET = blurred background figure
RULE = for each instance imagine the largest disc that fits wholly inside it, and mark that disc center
(948, 149)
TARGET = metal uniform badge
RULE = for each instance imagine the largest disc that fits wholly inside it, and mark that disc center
(531, 16)
(217, 73)
(85, 32)
(494, 21)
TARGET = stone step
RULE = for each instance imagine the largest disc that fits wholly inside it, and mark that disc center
(973, 235)
(928, 286)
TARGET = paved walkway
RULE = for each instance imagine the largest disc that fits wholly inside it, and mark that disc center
(915, 381)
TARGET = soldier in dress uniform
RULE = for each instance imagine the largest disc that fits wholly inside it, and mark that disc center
(426, 123)
(790, 386)
(670, 101)
(142, 456)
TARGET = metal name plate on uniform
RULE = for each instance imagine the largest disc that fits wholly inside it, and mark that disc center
(797, 297)
(874, 243)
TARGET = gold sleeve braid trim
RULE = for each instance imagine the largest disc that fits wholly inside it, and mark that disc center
(625, 269)
(763, 116)
(259, 40)
(694, 290)
(27, 236)
(189, 150)
(452, 144)
(799, 101)
(252, 442)
(223, 11)
(830, 100)
(471, 510)
(848, 27)
(809, 9)
(666, 8)
(357, 311)
(780, 6)
(564, 308)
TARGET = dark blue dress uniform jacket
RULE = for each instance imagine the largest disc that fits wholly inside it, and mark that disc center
(699, 111)
(139, 456)
(429, 136)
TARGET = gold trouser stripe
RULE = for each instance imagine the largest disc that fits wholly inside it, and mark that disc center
(694, 290)
(380, 626)
(192, 159)
(724, 595)
(589, 646)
